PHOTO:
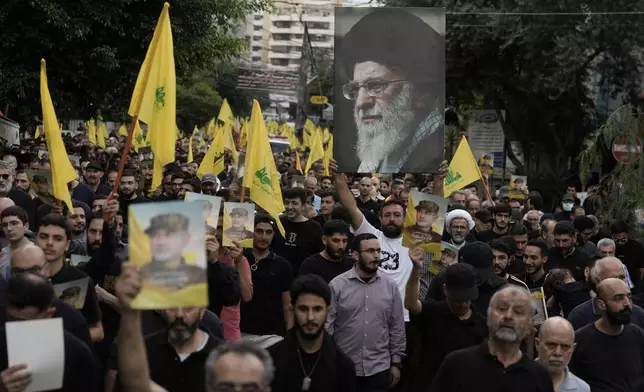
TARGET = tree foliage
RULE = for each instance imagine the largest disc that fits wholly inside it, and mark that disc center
(94, 48)
(541, 63)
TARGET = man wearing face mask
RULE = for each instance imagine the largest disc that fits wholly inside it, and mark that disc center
(610, 352)
(567, 203)
(565, 254)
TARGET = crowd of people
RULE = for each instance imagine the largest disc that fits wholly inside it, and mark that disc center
(338, 303)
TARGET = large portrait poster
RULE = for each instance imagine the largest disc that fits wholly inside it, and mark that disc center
(390, 89)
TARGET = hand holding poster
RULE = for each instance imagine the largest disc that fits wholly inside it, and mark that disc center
(424, 222)
(449, 256)
(518, 187)
(239, 222)
(390, 86)
(167, 242)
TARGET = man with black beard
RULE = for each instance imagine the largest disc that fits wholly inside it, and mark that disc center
(565, 253)
(610, 352)
(332, 261)
(396, 92)
(128, 193)
(308, 358)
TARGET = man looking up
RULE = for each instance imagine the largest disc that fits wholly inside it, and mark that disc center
(332, 261)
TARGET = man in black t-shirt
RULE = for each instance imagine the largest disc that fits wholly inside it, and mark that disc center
(303, 236)
(332, 261)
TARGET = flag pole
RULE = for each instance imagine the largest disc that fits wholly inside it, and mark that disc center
(243, 194)
(135, 118)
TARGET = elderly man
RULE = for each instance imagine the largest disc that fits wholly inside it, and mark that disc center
(556, 343)
(396, 85)
(458, 224)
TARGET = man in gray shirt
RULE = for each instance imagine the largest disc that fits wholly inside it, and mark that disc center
(367, 319)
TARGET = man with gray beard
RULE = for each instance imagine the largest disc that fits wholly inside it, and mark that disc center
(498, 363)
(396, 83)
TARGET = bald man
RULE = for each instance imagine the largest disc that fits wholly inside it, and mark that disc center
(31, 258)
(610, 352)
(497, 363)
(588, 312)
(555, 344)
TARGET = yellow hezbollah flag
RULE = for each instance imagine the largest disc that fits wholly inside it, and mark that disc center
(317, 151)
(298, 163)
(62, 171)
(226, 114)
(91, 136)
(210, 129)
(122, 130)
(213, 161)
(260, 172)
(190, 157)
(154, 97)
(138, 140)
(37, 135)
(102, 135)
(328, 155)
(229, 142)
(463, 170)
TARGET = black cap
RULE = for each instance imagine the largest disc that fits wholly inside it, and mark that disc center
(479, 255)
(94, 165)
(461, 282)
(484, 216)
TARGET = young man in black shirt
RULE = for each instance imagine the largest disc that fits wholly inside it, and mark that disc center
(328, 199)
(31, 297)
(267, 313)
(501, 225)
(501, 262)
(535, 258)
(498, 363)
(565, 254)
(364, 200)
(332, 261)
(308, 358)
(610, 352)
(303, 236)
(445, 326)
(54, 237)
(629, 251)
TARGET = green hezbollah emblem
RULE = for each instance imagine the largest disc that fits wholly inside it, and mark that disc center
(263, 177)
(452, 178)
(159, 97)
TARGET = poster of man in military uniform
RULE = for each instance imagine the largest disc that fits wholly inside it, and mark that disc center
(212, 204)
(239, 221)
(424, 222)
(168, 241)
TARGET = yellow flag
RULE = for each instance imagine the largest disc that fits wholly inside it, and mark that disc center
(260, 173)
(154, 97)
(123, 130)
(138, 140)
(91, 135)
(298, 163)
(190, 157)
(139, 245)
(229, 142)
(213, 161)
(211, 129)
(62, 171)
(37, 135)
(243, 135)
(226, 114)
(102, 135)
(317, 151)
(328, 154)
(463, 169)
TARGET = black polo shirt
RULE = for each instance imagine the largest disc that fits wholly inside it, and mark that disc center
(575, 262)
(264, 313)
(442, 332)
(475, 369)
(369, 205)
(169, 371)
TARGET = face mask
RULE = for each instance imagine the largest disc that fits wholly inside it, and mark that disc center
(567, 206)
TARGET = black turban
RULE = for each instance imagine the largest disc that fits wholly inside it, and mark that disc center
(399, 39)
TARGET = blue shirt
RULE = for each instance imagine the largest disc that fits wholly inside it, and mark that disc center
(588, 313)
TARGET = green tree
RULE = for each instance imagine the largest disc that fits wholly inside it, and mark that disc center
(197, 101)
(540, 62)
(323, 59)
(94, 49)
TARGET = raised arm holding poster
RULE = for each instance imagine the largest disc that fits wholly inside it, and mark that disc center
(390, 86)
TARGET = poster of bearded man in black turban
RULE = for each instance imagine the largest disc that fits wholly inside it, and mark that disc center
(390, 89)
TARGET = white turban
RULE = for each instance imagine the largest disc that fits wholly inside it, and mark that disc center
(458, 214)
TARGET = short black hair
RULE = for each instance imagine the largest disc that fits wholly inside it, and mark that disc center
(16, 211)
(326, 178)
(583, 222)
(357, 241)
(56, 220)
(100, 197)
(538, 243)
(335, 226)
(323, 194)
(565, 228)
(310, 284)
(575, 208)
(264, 218)
(340, 212)
(518, 229)
(618, 227)
(500, 246)
(295, 193)
(128, 173)
(391, 203)
(29, 290)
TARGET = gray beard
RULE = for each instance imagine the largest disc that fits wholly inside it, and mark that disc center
(376, 141)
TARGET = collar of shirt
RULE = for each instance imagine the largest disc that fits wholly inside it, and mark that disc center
(353, 274)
